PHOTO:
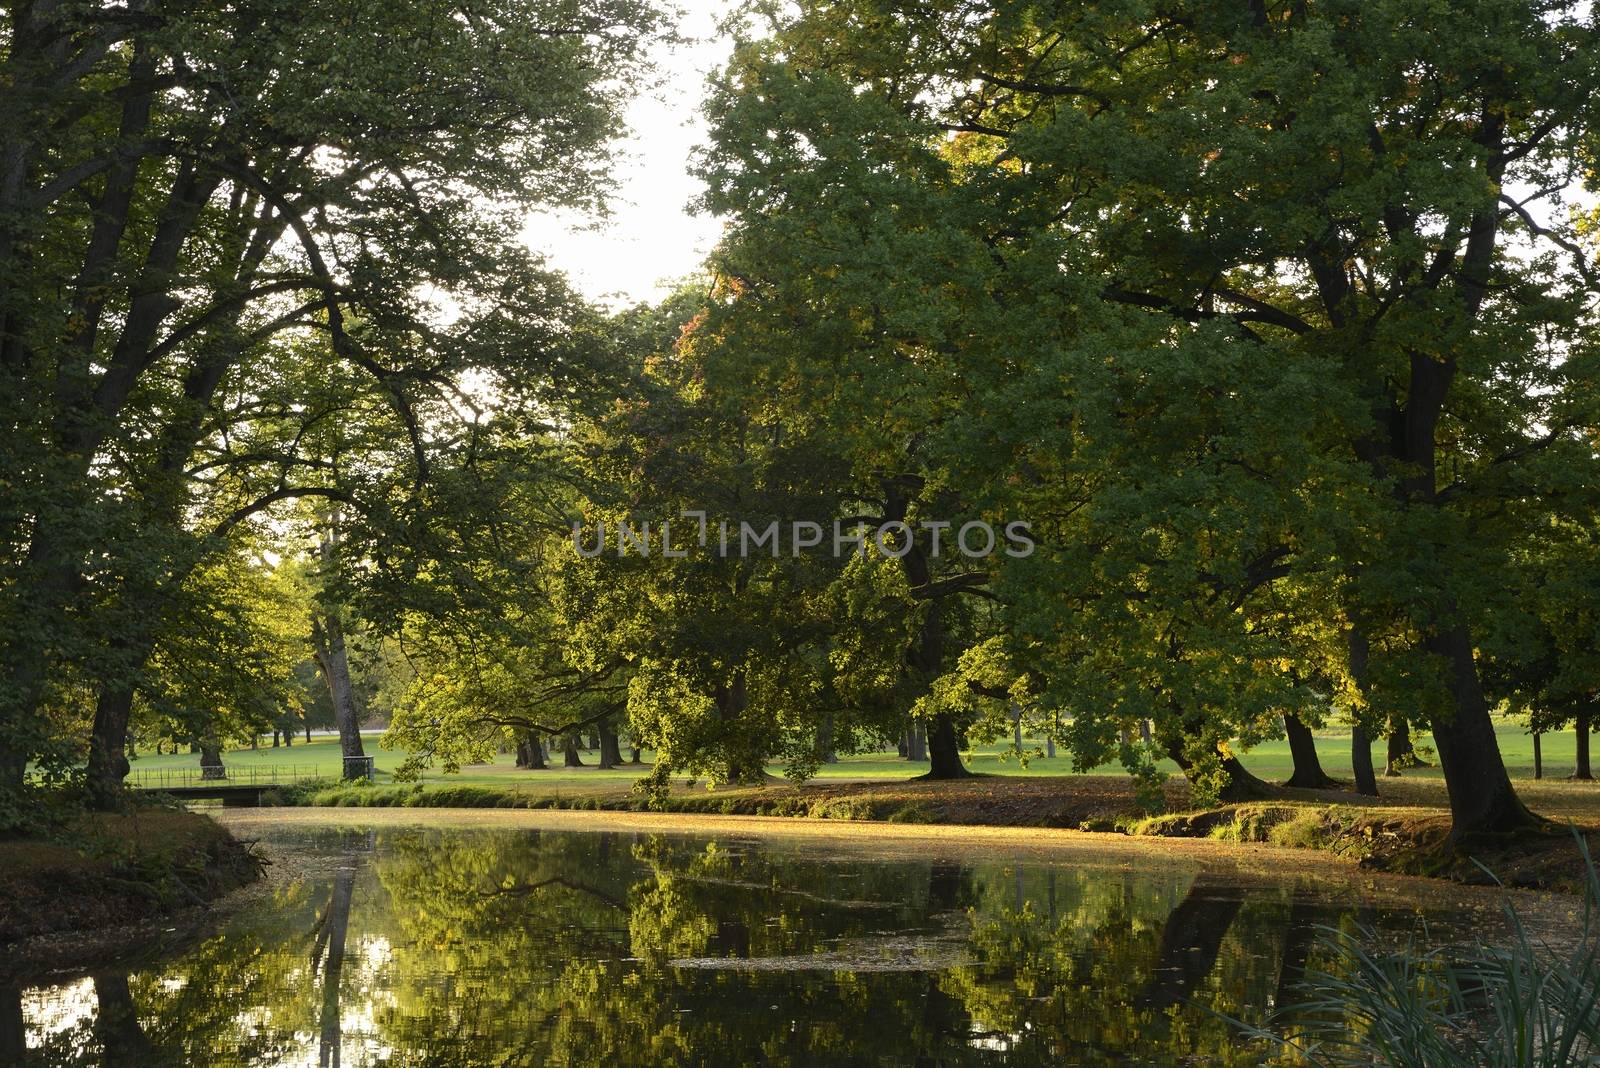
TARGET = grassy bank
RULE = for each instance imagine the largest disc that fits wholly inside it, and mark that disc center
(1270, 760)
(1403, 831)
(105, 871)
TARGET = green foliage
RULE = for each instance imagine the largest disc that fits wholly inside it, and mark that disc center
(1235, 306)
(247, 259)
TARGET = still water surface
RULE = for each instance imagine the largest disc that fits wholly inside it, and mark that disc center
(526, 945)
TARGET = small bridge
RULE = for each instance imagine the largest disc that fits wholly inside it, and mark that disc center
(235, 787)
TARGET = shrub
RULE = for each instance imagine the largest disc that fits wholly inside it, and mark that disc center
(1521, 1005)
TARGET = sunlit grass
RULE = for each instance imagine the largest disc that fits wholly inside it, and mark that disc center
(1270, 760)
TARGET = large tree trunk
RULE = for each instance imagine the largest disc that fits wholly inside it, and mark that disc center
(530, 752)
(1581, 769)
(1308, 773)
(108, 733)
(1481, 797)
(1191, 941)
(743, 765)
(610, 750)
(944, 750)
(211, 760)
(1239, 784)
(327, 635)
(1402, 450)
(108, 764)
(569, 751)
(116, 1024)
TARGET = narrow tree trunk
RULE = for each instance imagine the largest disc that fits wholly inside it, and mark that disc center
(1144, 731)
(1016, 727)
(211, 761)
(1308, 773)
(1360, 739)
(13, 1031)
(1581, 769)
(569, 751)
(308, 733)
(825, 751)
(108, 766)
(925, 658)
(1361, 761)
(904, 746)
(1399, 750)
(327, 635)
(1299, 935)
(1538, 756)
(336, 927)
(277, 738)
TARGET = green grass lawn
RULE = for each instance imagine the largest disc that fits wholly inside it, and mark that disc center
(1270, 760)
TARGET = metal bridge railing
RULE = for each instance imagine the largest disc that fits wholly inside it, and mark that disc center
(253, 775)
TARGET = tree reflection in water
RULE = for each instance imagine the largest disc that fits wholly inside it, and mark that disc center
(477, 947)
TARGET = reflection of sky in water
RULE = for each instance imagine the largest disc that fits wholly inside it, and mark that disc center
(52, 1010)
(406, 946)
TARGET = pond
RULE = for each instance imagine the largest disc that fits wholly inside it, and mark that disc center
(399, 939)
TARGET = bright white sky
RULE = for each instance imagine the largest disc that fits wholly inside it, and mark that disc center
(650, 238)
